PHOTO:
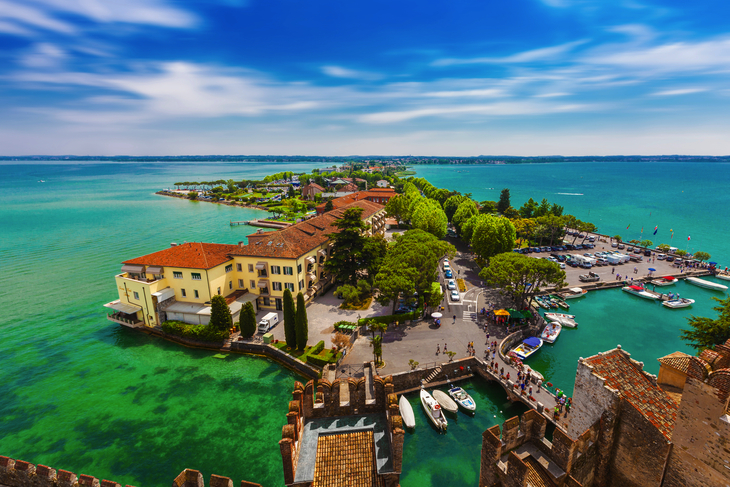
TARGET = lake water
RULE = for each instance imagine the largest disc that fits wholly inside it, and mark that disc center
(83, 394)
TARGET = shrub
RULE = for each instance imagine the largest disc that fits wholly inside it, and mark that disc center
(204, 333)
(317, 348)
(323, 358)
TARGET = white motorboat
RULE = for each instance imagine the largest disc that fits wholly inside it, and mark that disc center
(551, 332)
(433, 411)
(707, 284)
(406, 412)
(462, 398)
(723, 275)
(678, 303)
(446, 403)
(642, 292)
(664, 281)
(572, 293)
(567, 321)
(528, 347)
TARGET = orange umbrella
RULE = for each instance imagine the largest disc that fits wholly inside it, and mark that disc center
(501, 312)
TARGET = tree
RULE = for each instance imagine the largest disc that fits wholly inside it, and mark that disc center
(586, 228)
(373, 253)
(413, 364)
(347, 247)
(220, 314)
(662, 247)
(702, 256)
(528, 209)
(193, 195)
(617, 238)
(290, 330)
(377, 345)
(503, 202)
(488, 207)
(492, 235)
(340, 340)
(350, 294)
(521, 276)
(248, 321)
(428, 216)
(302, 323)
(397, 207)
(376, 326)
(646, 243)
(706, 332)
(466, 210)
(329, 206)
(393, 279)
(681, 252)
(511, 213)
(451, 355)
(451, 205)
(524, 227)
(635, 241)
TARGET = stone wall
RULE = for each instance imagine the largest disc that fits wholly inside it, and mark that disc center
(274, 353)
(701, 437)
(17, 473)
(405, 381)
(591, 399)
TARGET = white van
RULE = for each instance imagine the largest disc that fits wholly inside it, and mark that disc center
(661, 256)
(268, 322)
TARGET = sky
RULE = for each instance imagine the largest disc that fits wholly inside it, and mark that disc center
(403, 77)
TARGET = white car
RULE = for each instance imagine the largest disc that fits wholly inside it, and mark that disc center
(562, 265)
(451, 284)
(455, 295)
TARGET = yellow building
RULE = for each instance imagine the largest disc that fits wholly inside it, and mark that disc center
(178, 283)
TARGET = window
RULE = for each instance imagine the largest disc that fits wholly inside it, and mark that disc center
(279, 305)
(239, 268)
(195, 276)
(263, 290)
(240, 283)
(275, 269)
(276, 286)
(177, 275)
(196, 294)
(253, 284)
(289, 286)
(250, 268)
(288, 271)
(301, 284)
(299, 268)
(229, 268)
(230, 284)
(184, 294)
(267, 301)
(136, 295)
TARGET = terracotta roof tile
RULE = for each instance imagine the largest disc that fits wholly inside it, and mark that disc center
(635, 387)
(299, 239)
(359, 196)
(536, 476)
(677, 360)
(346, 459)
(192, 255)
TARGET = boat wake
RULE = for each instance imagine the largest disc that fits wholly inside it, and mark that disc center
(571, 194)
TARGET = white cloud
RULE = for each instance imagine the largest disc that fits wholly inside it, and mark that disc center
(340, 72)
(678, 56)
(542, 54)
(21, 16)
(683, 91)
(44, 56)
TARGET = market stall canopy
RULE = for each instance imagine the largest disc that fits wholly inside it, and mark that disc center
(501, 312)
(436, 315)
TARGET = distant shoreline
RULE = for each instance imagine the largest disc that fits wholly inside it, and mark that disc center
(225, 202)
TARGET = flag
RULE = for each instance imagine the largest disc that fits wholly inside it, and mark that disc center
(642, 229)
(688, 237)
(627, 226)
(655, 229)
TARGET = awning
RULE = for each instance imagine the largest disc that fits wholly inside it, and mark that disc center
(123, 307)
(501, 312)
(134, 269)
(322, 252)
(263, 284)
(261, 265)
(152, 269)
(312, 276)
(311, 260)
(164, 294)
(532, 342)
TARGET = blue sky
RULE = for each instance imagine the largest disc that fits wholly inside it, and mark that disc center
(528, 77)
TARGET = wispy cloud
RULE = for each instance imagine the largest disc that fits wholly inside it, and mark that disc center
(43, 56)
(678, 92)
(340, 72)
(542, 54)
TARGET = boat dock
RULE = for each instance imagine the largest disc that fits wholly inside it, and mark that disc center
(262, 223)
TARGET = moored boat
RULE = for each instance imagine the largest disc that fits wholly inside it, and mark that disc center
(664, 281)
(462, 398)
(567, 321)
(559, 301)
(433, 411)
(723, 275)
(528, 347)
(551, 332)
(406, 412)
(445, 401)
(678, 303)
(642, 292)
(707, 284)
(573, 292)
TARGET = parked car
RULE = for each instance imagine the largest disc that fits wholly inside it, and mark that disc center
(614, 244)
(670, 258)
(562, 265)
(647, 253)
(621, 246)
(661, 256)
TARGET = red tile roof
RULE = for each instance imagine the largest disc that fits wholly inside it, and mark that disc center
(359, 196)
(636, 388)
(346, 460)
(192, 255)
(299, 239)
(677, 360)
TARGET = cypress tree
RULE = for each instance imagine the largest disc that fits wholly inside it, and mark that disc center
(290, 327)
(302, 324)
(220, 314)
(248, 321)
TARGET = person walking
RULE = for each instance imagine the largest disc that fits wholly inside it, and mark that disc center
(454, 318)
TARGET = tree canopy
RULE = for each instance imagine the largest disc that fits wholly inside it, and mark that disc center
(290, 331)
(520, 275)
(428, 216)
(467, 209)
(492, 235)
(706, 332)
(248, 321)
(348, 244)
(451, 204)
(220, 314)
(701, 256)
(302, 323)
(503, 202)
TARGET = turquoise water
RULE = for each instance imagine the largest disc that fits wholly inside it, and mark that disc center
(83, 394)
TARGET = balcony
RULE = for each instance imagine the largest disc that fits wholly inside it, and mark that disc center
(140, 277)
(125, 320)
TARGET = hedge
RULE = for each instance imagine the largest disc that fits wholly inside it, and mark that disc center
(317, 348)
(204, 333)
(324, 358)
(391, 318)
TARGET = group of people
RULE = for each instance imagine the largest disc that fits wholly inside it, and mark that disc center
(470, 350)
(561, 402)
(438, 349)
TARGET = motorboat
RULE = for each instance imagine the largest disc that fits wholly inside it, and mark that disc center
(406, 412)
(433, 411)
(573, 292)
(544, 302)
(446, 403)
(528, 347)
(567, 321)
(664, 281)
(642, 292)
(551, 332)
(678, 303)
(559, 301)
(723, 275)
(462, 398)
(707, 284)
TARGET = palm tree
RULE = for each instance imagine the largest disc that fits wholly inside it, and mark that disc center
(377, 345)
